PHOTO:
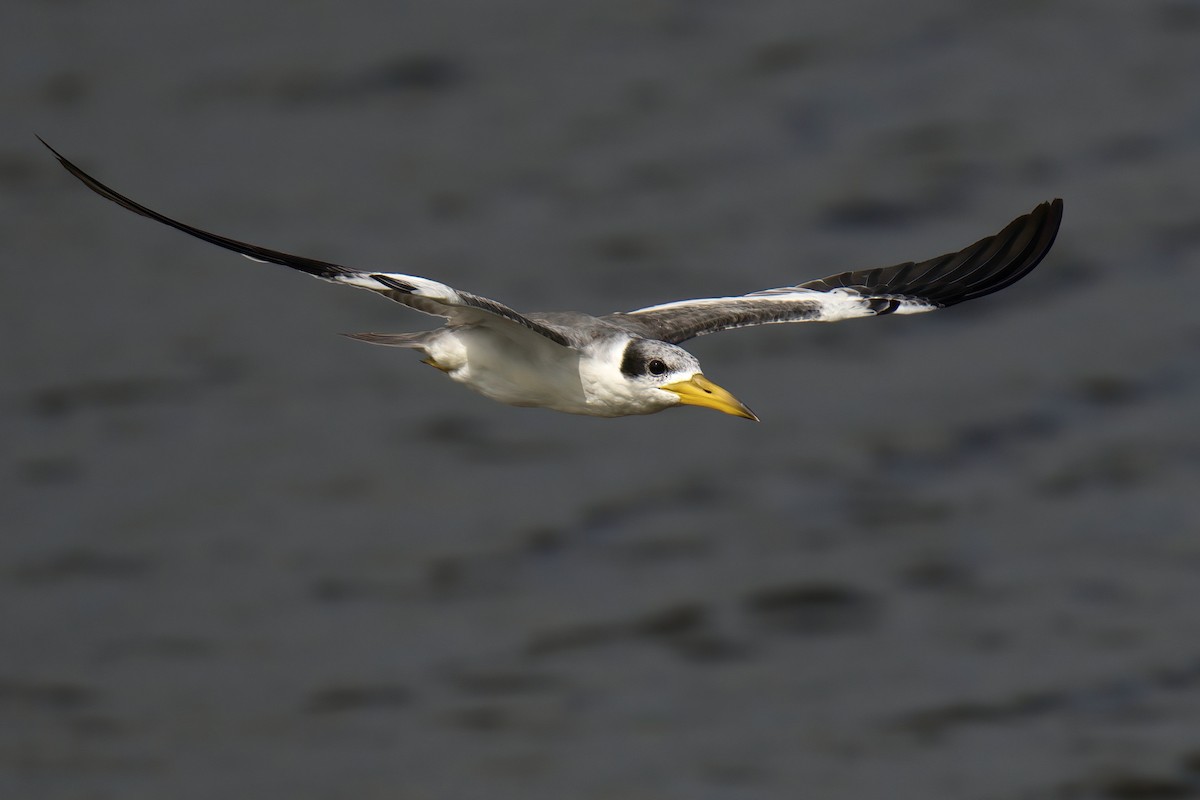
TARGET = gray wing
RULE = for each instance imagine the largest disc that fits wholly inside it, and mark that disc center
(422, 294)
(987, 266)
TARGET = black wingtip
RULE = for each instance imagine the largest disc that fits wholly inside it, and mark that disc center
(61, 158)
(1056, 211)
(57, 154)
(1010, 255)
(321, 269)
(95, 185)
(994, 262)
(987, 266)
(1053, 210)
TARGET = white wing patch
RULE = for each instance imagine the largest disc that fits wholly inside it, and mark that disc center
(810, 305)
(421, 287)
(845, 303)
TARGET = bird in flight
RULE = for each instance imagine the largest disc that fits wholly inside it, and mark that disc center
(630, 363)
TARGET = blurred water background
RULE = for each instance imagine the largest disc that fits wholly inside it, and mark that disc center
(244, 557)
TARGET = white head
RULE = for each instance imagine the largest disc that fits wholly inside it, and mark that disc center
(658, 375)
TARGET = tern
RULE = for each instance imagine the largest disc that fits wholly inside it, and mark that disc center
(631, 363)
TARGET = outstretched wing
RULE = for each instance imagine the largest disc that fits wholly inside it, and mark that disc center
(910, 288)
(413, 291)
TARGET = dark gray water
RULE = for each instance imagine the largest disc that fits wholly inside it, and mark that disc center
(242, 556)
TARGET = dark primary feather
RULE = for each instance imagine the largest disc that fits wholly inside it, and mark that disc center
(987, 266)
(322, 269)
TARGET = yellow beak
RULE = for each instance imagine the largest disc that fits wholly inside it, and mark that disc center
(700, 391)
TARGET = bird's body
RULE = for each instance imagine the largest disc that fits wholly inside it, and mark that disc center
(512, 367)
(630, 363)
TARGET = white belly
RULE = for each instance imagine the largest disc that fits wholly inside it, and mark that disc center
(521, 370)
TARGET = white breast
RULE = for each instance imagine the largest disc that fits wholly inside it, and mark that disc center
(515, 368)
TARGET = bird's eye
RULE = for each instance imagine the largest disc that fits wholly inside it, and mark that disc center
(656, 367)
